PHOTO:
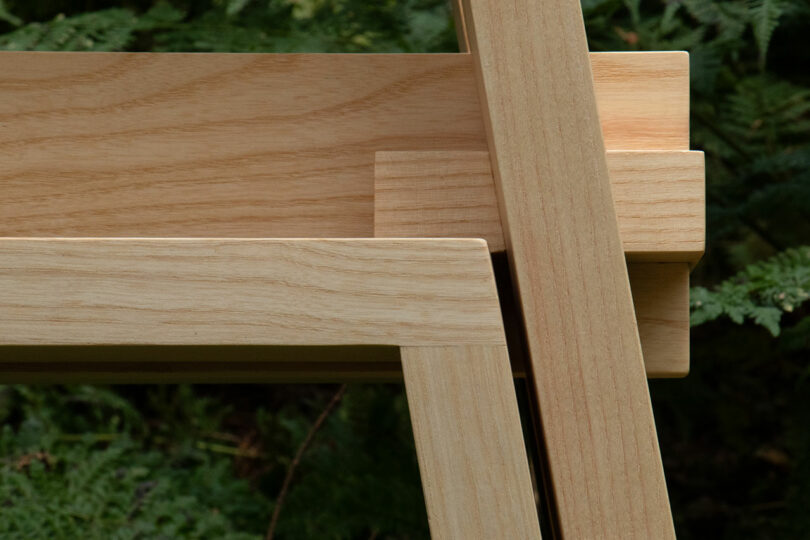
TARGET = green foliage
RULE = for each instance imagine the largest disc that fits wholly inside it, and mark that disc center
(108, 30)
(367, 483)
(244, 26)
(761, 292)
(78, 465)
(86, 462)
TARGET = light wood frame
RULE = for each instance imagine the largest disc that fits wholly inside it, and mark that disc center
(134, 145)
(137, 145)
(435, 300)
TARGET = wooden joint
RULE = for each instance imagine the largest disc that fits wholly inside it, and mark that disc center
(660, 204)
(434, 299)
(659, 197)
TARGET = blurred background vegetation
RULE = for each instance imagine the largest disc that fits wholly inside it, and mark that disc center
(222, 461)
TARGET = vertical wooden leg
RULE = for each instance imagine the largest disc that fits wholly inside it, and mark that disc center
(472, 458)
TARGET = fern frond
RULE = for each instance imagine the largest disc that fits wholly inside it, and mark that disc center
(107, 30)
(761, 292)
(764, 20)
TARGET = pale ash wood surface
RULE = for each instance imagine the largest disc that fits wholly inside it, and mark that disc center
(613, 96)
(244, 145)
(247, 292)
(452, 194)
(620, 110)
(661, 299)
(659, 197)
(563, 240)
(464, 413)
(436, 299)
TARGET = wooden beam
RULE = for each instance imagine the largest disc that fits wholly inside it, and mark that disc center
(247, 292)
(465, 419)
(562, 237)
(659, 197)
(246, 145)
(661, 300)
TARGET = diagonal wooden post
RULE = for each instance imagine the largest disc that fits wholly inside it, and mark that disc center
(562, 237)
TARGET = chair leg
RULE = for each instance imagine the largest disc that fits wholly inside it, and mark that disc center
(469, 443)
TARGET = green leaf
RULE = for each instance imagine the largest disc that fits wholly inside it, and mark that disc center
(765, 18)
(761, 292)
(233, 7)
(163, 14)
(107, 30)
(769, 318)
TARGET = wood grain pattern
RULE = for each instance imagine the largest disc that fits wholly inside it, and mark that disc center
(620, 110)
(562, 237)
(465, 425)
(432, 194)
(244, 145)
(659, 198)
(661, 300)
(613, 96)
(247, 292)
(660, 297)
(434, 298)
(660, 203)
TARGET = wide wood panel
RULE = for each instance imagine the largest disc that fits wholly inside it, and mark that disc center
(244, 145)
(247, 292)
(469, 442)
(562, 237)
(659, 198)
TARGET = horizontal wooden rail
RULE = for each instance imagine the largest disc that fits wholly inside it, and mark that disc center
(244, 145)
(247, 292)
(170, 310)
(659, 197)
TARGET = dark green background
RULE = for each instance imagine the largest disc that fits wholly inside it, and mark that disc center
(209, 461)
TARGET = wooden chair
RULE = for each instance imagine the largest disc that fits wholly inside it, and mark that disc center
(211, 217)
